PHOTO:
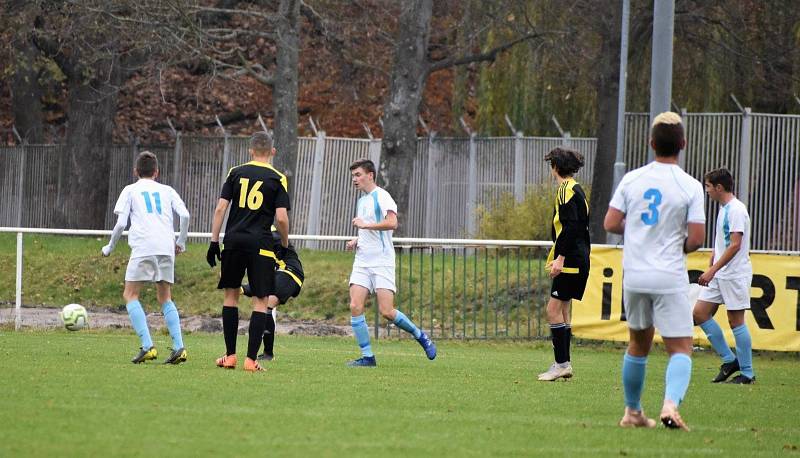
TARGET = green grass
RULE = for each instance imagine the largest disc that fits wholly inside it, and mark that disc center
(76, 394)
(457, 290)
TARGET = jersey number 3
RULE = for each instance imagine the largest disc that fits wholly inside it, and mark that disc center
(654, 196)
(250, 197)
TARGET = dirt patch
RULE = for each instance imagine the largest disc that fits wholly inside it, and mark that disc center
(43, 318)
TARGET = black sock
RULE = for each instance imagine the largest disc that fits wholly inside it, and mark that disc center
(568, 341)
(269, 334)
(558, 332)
(258, 320)
(230, 327)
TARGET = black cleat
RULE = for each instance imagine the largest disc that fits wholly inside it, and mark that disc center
(265, 357)
(145, 355)
(742, 379)
(726, 370)
(176, 357)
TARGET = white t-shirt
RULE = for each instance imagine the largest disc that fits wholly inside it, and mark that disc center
(658, 201)
(375, 248)
(149, 205)
(733, 217)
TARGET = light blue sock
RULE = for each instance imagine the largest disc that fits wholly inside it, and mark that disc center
(679, 372)
(139, 323)
(633, 371)
(361, 331)
(402, 322)
(714, 333)
(744, 350)
(173, 320)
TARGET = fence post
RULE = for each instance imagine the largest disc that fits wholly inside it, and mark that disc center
(744, 157)
(430, 204)
(472, 186)
(21, 183)
(375, 153)
(226, 155)
(519, 168)
(316, 190)
(178, 177)
(682, 158)
(18, 305)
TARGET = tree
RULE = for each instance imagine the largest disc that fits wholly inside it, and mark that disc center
(413, 64)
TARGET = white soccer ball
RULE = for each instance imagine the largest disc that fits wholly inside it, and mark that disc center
(74, 317)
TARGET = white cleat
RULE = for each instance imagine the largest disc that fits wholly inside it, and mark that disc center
(556, 372)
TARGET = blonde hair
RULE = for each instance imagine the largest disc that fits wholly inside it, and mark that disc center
(667, 117)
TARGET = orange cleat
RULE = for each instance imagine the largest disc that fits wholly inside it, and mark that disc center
(227, 361)
(251, 365)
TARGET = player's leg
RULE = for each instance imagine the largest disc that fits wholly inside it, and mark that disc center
(634, 368)
(737, 301)
(639, 313)
(703, 314)
(556, 311)
(233, 266)
(269, 330)
(672, 315)
(139, 322)
(261, 274)
(173, 322)
(358, 297)
(566, 311)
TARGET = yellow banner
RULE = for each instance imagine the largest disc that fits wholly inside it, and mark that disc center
(773, 319)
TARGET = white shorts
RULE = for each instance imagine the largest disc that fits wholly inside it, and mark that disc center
(734, 292)
(151, 268)
(671, 314)
(374, 278)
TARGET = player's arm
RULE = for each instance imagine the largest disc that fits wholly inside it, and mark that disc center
(697, 234)
(116, 233)
(213, 254)
(570, 231)
(282, 224)
(614, 221)
(183, 218)
(727, 255)
(389, 223)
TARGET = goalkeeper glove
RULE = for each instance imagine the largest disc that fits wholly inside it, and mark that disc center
(213, 254)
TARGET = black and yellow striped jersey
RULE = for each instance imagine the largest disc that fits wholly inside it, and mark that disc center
(570, 230)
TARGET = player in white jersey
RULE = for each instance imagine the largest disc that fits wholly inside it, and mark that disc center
(659, 209)
(727, 281)
(374, 268)
(149, 205)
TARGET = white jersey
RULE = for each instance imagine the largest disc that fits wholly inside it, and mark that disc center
(375, 248)
(149, 205)
(658, 201)
(733, 217)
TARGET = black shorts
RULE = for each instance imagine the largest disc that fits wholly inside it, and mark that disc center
(285, 287)
(568, 286)
(260, 271)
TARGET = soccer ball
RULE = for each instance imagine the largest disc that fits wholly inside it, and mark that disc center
(74, 317)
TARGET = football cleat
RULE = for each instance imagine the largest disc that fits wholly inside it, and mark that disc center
(227, 361)
(145, 355)
(427, 345)
(556, 372)
(726, 370)
(176, 357)
(364, 361)
(265, 357)
(671, 418)
(251, 365)
(636, 419)
(742, 379)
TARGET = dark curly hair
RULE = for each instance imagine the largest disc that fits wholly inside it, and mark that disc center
(567, 162)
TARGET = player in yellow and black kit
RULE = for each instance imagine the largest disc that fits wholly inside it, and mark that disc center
(569, 257)
(288, 281)
(258, 197)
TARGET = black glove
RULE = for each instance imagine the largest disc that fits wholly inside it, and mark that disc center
(213, 255)
(281, 252)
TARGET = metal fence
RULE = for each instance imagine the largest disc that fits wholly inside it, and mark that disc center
(451, 177)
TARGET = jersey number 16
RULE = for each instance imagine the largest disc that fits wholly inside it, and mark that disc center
(250, 197)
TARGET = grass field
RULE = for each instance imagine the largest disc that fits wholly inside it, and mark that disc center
(76, 394)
